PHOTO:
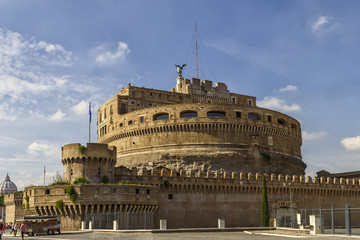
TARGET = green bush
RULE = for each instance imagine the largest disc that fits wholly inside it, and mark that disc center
(70, 191)
(27, 204)
(105, 179)
(166, 183)
(82, 149)
(124, 182)
(59, 204)
(59, 180)
(81, 180)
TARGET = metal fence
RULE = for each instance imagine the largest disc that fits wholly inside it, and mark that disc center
(344, 220)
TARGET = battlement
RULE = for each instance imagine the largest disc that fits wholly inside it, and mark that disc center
(92, 150)
(242, 178)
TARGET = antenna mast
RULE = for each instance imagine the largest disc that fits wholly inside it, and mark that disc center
(197, 66)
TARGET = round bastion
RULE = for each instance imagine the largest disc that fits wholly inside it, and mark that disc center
(96, 161)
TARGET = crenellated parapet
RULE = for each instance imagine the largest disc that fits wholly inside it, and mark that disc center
(247, 183)
(95, 161)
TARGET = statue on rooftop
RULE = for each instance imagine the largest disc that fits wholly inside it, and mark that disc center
(179, 69)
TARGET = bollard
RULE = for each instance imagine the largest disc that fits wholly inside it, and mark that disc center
(163, 224)
(315, 223)
(90, 225)
(115, 226)
(83, 225)
(221, 223)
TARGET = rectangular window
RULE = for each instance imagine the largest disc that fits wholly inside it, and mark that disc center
(150, 104)
(123, 107)
(151, 94)
(133, 93)
(269, 118)
(250, 102)
(137, 191)
(132, 102)
(170, 196)
(141, 119)
(238, 114)
(233, 100)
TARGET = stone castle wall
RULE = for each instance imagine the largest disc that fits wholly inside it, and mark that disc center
(204, 197)
(206, 136)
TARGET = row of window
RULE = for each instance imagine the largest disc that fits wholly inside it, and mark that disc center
(212, 114)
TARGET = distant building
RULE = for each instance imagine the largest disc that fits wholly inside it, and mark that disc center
(6, 187)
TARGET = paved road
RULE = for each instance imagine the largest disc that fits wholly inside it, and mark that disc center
(178, 236)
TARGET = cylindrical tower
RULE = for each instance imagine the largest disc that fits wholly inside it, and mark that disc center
(95, 161)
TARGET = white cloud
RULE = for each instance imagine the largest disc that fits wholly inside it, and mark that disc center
(288, 88)
(351, 143)
(81, 108)
(318, 24)
(314, 135)
(278, 104)
(120, 53)
(58, 116)
(48, 150)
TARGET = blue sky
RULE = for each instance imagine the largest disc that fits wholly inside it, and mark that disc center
(298, 57)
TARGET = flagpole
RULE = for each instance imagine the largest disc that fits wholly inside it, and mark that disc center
(89, 119)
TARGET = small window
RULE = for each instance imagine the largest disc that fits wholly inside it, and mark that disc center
(209, 101)
(120, 125)
(123, 107)
(233, 100)
(238, 114)
(133, 143)
(130, 122)
(216, 114)
(150, 104)
(254, 116)
(159, 95)
(147, 191)
(281, 121)
(99, 170)
(188, 115)
(250, 102)
(137, 191)
(162, 116)
(269, 118)
(47, 191)
(132, 102)
(133, 93)
(150, 94)
(180, 97)
(293, 126)
(141, 119)
(170, 196)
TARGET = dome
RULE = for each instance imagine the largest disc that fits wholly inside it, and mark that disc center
(7, 186)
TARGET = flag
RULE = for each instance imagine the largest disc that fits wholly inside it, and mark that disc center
(90, 111)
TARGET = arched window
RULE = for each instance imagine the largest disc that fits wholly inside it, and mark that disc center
(161, 116)
(254, 116)
(281, 121)
(293, 125)
(216, 114)
(188, 114)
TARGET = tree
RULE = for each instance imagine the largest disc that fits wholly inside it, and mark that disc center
(265, 204)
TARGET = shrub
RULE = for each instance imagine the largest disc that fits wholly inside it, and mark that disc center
(81, 180)
(82, 149)
(105, 179)
(59, 180)
(27, 204)
(124, 182)
(70, 191)
(59, 204)
(166, 183)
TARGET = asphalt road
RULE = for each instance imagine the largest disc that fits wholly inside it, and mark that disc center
(178, 236)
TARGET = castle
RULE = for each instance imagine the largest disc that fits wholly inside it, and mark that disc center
(191, 155)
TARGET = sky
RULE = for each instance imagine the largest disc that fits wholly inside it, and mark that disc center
(297, 57)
